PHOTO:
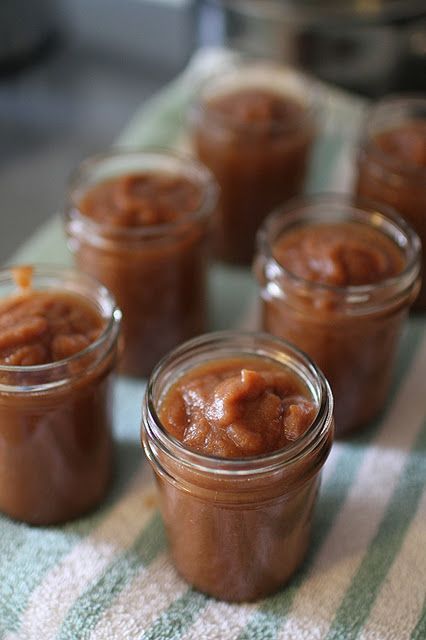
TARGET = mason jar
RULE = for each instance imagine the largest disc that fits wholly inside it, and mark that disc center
(157, 272)
(392, 163)
(258, 147)
(238, 528)
(351, 332)
(55, 418)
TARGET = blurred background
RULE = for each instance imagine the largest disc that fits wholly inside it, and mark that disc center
(72, 72)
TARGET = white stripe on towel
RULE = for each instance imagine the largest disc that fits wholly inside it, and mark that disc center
(87, 560)
(409, 567)
(150, 592)
(356, 524)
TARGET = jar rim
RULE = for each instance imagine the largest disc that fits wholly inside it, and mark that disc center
(53, 272)
(305, 94)
(203, 176)
(363, 210)
(388, 106)
(249, 465)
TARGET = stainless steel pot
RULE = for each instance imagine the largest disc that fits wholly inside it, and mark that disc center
(363, 45)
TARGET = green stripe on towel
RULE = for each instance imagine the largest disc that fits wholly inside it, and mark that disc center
(178, 617)
(419, 632)
(88, 608)
(360, 597)
(28, 553)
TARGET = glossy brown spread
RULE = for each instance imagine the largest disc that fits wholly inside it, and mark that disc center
(55, 422)
(340, 255)
(157, 269)
(263, 108)
(256, 142)
(239, 537)
(38, 327)
(237, 408)
(140, 199)
(354, 348)
(392, 169)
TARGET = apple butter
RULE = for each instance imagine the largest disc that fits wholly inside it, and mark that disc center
(236, 408)
(341, 254)
(58, 335)
(138, 199)
(256, 138)
(337, 279)
(392, 163)
(140, 223)
(237, 427)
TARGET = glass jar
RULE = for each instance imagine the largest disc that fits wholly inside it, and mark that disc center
(351, 332)
(238, 528)
(55, 419)
(157, 272)
(258, 163)
(385, 175)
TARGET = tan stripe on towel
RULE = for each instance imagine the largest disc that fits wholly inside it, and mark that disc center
(356, 524)
(406, 604)
(67, 580)
(149, 593)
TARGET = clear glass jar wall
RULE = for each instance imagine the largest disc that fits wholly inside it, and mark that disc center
(351, 332)
(392, 164)
(55, 419)
(248, 520)
(157, 272)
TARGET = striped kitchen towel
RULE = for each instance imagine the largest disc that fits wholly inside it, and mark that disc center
(109, 576)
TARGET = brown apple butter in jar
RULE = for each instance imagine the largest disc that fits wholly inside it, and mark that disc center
(254, 128)
(392, 163)
(58, 338)
(237, 427)
(140, 223)
(337, 278)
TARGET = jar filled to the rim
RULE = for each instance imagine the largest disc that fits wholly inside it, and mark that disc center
(238, 524)
(337, 278)
(392, 163)
(140, 221)
(254, 127)
(58, 348)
